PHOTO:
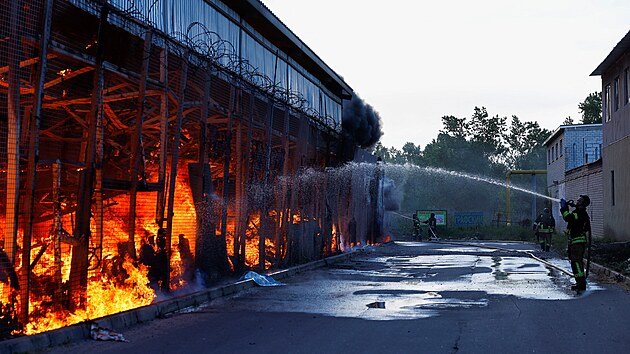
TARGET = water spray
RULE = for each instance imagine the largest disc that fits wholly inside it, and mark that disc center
(488, 180)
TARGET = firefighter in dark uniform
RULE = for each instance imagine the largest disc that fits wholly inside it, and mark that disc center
(578, 224)
(545, 227)
(417, 232)
(432, 222)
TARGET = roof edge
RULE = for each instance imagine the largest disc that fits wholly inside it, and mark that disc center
(621, 48)
(561, 128)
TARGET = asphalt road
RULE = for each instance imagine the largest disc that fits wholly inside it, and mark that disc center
(402, 297)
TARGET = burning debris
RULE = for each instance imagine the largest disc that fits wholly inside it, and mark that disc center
(129, 177)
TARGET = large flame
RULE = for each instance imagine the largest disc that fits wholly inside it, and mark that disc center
(104, 297)
(107, 295)
(252, 241)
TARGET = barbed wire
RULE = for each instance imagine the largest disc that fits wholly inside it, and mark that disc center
(216, 51)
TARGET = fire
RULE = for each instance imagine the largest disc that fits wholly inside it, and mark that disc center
(105, 297)
(252, 253)
(334, 246)
(297, 217)
(108, 291)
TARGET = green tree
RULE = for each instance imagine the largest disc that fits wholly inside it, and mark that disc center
(591, 108)
(381, 151)
(412, 153)
(391, 155)
(568, 121)
(455, 127)
(487, 132)
(525, 148)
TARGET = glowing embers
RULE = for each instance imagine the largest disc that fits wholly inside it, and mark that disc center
(252, 244)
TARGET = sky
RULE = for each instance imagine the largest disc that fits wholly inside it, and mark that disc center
(416, 61)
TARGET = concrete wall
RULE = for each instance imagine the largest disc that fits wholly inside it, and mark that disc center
(616, 146)
(618, 126)
(617, 216)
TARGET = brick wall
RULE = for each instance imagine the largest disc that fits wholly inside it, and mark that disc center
(588, 180)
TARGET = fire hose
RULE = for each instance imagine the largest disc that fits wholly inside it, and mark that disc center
(406, 217)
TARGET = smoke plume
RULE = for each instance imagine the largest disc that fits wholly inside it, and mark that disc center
(392, 197)
(361, 122)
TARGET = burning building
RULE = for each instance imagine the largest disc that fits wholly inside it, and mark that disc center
(149, 144)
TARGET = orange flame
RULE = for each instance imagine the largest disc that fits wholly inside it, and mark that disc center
(104, 298)
(105, 295)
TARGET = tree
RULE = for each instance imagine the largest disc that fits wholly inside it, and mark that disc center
(591, 108)
(487, 132)
(568, 121)
(455, 127)
(381, 151)
(412, 153)
(525, 148)
(391, 155)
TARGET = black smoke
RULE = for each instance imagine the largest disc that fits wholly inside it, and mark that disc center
(361, 123)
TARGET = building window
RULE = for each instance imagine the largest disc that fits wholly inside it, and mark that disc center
(548, 156)
(626, 94)
(561, 150)
(553, 154)
(616, 93)
(612, 187)
(607, 105)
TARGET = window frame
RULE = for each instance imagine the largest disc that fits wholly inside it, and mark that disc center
(612, 187)
(616, 94)
(607, 103)
(626, 93)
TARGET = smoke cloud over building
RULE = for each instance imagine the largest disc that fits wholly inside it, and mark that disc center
(361, 122)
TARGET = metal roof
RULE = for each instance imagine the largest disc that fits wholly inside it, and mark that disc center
(620, 49)
(269, 25)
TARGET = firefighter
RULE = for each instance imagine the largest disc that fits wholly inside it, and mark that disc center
(432, 222)
(416, 228)
(578, 225)
(545, 226)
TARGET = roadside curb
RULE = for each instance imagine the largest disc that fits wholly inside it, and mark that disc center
(123, 320)
(609, 274)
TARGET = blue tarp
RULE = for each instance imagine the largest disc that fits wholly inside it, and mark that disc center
(262, 280)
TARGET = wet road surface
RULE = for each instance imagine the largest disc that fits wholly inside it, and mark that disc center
(402, 297)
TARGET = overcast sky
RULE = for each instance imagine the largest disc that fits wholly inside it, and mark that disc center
(416, 61)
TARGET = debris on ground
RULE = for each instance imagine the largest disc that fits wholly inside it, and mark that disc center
(100, 333)
(261, 280)
(376, 305)
(615, 255)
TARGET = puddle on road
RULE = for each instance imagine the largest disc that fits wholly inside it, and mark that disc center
(412, 287)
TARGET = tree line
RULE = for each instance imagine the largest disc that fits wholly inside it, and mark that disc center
(484, 145)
